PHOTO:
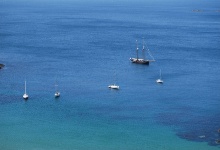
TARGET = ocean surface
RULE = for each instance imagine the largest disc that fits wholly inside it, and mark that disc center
(84, 46)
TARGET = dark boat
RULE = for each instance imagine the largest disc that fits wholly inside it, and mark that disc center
(1, 66)
(142, 60)
(139, 61)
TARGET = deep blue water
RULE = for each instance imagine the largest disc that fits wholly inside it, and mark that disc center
(85, 46)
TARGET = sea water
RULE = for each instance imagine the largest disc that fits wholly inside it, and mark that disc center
(85, 46)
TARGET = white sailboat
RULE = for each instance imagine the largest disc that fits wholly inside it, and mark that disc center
(160, 79)
(25, 96)
(114, 86)
(57, 93)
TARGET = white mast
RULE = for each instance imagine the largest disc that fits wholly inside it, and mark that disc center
(160, 79)
(160, 74)
(57, 93)
(25, 87)
(143, 50)
(137, 49)
(25, 96)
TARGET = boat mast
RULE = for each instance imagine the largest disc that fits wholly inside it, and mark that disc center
(25, 87)
(137, 49)
(56, 87)
(115, 79)
(160, 74)
(143, 50)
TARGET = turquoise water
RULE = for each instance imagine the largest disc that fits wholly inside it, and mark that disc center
(87, 46)
(54, 125)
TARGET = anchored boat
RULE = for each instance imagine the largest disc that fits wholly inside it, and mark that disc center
(160, 79)
(25, 96)
(142, 60)
(57, 93)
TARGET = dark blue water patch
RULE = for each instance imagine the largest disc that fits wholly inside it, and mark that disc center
(202, 129)
(198, 128)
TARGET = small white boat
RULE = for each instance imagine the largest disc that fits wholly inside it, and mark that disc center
(57, 93)
(25, 96)
(160, 79)
(113, 86)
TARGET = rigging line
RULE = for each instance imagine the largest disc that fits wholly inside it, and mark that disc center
(150, 54)
(148, 50)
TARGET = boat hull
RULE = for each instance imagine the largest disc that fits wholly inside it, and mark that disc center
(159, 81)
(113, 87)
(57, 94)
(25, 96)
(140, 61)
